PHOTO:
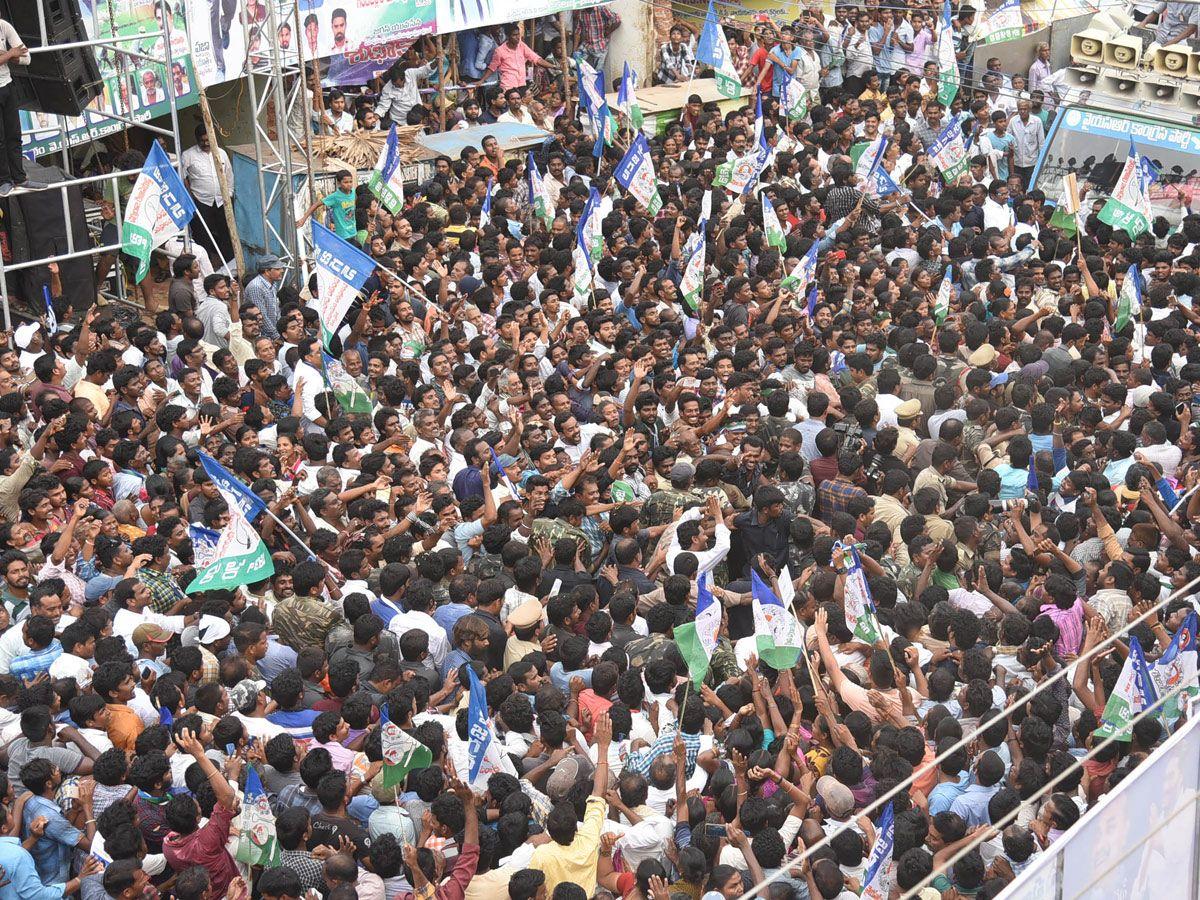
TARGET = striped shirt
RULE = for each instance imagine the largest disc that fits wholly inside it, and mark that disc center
(28, 666)
(297, 722)
(641, 760)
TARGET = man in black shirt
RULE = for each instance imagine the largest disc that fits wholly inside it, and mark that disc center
(332, 823)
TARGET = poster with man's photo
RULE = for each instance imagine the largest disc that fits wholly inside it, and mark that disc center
(216, 41)
(132, 88)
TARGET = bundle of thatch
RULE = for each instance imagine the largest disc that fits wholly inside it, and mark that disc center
(361, 149)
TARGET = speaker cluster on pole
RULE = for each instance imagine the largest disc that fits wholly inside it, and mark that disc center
(60, 83)
(1116, 58)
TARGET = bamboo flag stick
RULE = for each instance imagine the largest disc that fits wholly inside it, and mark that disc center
(223, 183)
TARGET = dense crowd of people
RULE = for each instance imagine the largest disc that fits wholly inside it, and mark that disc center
(902, 501)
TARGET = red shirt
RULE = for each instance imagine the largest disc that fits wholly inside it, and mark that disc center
(823, 468)
(758, 58)
(205, 847)
(595, 704)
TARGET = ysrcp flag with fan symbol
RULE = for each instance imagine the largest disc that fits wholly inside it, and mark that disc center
(258, 842)
(342, 270)
(635, 173)
(241, 557)
(387, 178)
(204, 544)
(159, 207)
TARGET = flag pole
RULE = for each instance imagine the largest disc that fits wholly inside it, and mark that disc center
(295, 537)
(216, 246)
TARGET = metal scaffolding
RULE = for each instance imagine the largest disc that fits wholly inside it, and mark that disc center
(280, 97)
(116, 45)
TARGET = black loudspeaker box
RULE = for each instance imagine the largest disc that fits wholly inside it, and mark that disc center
(37, 230)
(61, 83)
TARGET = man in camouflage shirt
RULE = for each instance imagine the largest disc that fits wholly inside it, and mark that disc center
(660, 508)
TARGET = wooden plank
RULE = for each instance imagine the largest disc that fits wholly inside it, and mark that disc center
(662, 97)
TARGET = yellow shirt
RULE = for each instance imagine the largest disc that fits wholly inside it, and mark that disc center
(576, 862)
(879, 98)
(95, 393)
(907, 440)
(490, 885)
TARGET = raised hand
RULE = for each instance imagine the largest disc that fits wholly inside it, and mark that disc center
(603, 730)
(189, 743)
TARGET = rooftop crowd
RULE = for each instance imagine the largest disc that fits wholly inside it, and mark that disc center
(547, 481)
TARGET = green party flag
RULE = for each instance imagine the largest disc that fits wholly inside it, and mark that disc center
(402, 753)
(692, 283)
(1128, 209)
(158, 208)
(539, 194)
(1133, 693)
(947, 60)
(860, 608)
(712, 49)
(349, 393)
(774, 230)
(1129, 302)
(258, 842)
(941, 306)
(698, 639)
(241, 558)
(621, 492)
(779, 640)
(627, 100)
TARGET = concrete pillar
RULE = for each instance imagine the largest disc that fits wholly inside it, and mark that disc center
(633, 42)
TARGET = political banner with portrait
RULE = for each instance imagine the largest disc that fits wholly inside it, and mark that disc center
(133, 88)
(217, 41)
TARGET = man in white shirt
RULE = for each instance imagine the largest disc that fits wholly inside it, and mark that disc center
(516, 111)
(199, 164)
(405, 87)
(697, 539)
(307, 375)
(426, 424)
(996, 211)
(137, 612)
(213, 310)
(644, 832)
(1040, 70)
(335, 119)
(76, 661)
(12, 166)
(1157, 449)
(1028, 135)
(419, 600)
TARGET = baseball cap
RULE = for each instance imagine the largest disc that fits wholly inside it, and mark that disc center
(150, 633)
(682, 471)
(24, 334)
(983, 357)
(243, 694)
(838, 800)
(100, 585)
(506, 460)
(563, 779)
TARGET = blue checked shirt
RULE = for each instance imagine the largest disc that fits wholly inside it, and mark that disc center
(834, 496)
(28, 666)
(641, 760)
